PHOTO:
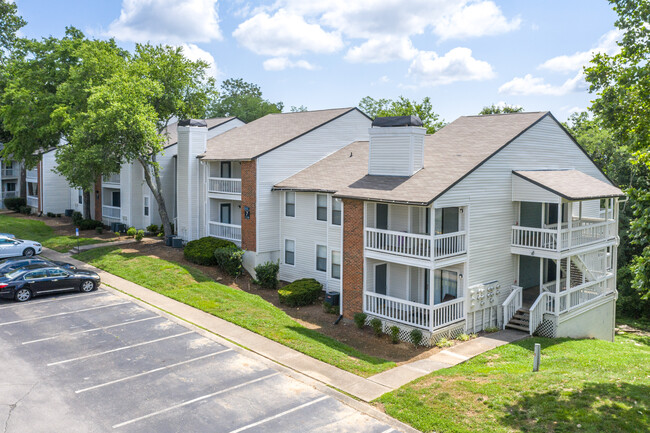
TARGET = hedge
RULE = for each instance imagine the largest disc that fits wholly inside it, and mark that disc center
(201, 251)
(15, 203)
(300, 292)
(89, 224)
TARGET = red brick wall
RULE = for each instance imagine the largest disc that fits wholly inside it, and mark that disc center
(248, 198)
(98, 199)
(352, 257)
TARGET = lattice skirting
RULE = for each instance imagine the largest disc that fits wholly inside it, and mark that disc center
(428, 339)
(546, 329)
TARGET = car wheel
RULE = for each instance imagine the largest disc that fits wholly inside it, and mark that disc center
(87, 286)
(29, 252)
(23, 295)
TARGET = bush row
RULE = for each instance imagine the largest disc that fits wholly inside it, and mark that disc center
(15, 203)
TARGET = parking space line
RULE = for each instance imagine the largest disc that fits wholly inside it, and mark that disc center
(176, 406)
(144, 373)
(63, 314)
(53, 299)
(92, 355)
(128, 322)
(388, 430)
(281, 414)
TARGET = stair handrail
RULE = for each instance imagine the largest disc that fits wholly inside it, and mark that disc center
(537, 310)
(512, 303)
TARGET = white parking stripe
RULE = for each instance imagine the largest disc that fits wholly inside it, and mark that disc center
(286, 412)
(63, 314)
(92, 330)
(389, 430)
(144, 373)
(176, 406)
(65, 361)
(53, 299)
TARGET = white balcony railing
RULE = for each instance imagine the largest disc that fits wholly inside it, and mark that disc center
(513, 302)
(9, 172)
(32, 174)
(546, 238)
(224, 185)
(112, 212)
(415, 245)
(32, 201)
(551, 285)
(230, 232)
(113, 178)
(9, 194)
(413, 313)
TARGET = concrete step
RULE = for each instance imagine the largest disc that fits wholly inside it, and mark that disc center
(520, 328)
(519, 322)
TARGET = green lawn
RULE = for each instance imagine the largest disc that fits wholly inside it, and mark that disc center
(38, 231)
(192, 287)
(583, 386)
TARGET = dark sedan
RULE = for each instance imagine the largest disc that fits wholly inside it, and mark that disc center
(24, 283)
(20, 262)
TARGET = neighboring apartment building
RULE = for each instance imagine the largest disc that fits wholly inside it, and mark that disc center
(9, 179)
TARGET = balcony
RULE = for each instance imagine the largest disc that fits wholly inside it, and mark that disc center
(111, 212)
(224, 185)
(32, 201)
(9, 194)
(416, 246)
(112, 179)
(32, 175)
(415, 314)
(581, 234)
(229, 232)
(9, 172)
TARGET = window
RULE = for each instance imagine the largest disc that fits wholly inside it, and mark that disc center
(224, 213)
(225, 169)
(80, 196)
(381, 275)
(41, 273)
(336, 265)
(290, 203)
(57, 273)
(321, 207)
(115, 199)
(381, 216)
(336, 211)
(146, 206)
(446, 286)
(447, 220)
(32, 189)
(10, 187)
(321, 258)
(289, 252)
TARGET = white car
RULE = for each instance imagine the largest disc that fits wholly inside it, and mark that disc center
(17, 247)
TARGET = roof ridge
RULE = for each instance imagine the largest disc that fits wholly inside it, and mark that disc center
(313, 111)
(506, 114)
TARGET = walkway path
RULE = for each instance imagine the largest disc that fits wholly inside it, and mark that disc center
(362, 388)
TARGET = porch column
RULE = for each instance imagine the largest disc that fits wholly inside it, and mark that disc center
(432, 289)
(541, 274)
(559, 225)
(570, 222)
(557, 284)
(568, 273)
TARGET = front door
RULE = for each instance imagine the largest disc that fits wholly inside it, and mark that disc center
(225, 213)
(380, 278)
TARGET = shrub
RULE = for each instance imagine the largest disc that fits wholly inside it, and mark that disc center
(230, 259)
(50, 215)
(88, 224)
(267, 274)
(25, 210)
(394, 334)
(416, 337)
(376, 326)
(99, 230)
(131, 232)
(58, 215)
(491, 329)
(443, 342)
(15, 203)
(139, 235)
(300, 292)
(153, 229)
(360, 319)
(463, 337)
(201, 251)
(330, 309)
(117, 234)
(77, 217)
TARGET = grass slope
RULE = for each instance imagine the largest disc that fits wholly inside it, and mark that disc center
(38, 231)
(583, 386)
(192, 287)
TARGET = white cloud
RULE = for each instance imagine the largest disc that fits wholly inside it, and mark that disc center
(607, 45)
(529, 85)
(195, 53)
(167, 21)
(282, 63)
(457, 65)
(382, 50)
(475, 19)
(285, 34)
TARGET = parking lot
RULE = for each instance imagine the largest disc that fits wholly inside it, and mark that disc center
(102, 362)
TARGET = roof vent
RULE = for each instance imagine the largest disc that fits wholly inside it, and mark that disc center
(396, 121)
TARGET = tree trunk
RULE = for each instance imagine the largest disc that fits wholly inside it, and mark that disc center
(155, 185)
(23, 181)
(86, 200)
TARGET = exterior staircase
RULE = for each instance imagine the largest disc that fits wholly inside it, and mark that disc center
(520, 320)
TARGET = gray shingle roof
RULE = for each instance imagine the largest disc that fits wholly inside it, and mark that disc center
(267, 133)
(449, 155)
(570, 184)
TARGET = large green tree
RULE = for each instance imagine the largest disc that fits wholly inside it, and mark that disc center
(403, 107)
(621, 83)
(242, 99)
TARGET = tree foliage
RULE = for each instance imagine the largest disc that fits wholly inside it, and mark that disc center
(500, 109)
(243, 100)
(403, 107)
(10, 23)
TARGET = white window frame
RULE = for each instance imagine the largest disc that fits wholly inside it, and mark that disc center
(332, 212)
(340, 263)
(295, 199)
(326, 208)
(284, 250)
(146, 206)
(80, 196)
(316, 261)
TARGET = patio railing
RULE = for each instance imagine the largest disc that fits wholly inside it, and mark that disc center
(224, 185)
(230, 232)
(513, 302)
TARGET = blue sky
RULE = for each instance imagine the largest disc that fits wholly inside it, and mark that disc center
(464, 54)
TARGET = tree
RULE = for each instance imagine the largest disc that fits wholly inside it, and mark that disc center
(242, 99)
(622, 86)
(403, 107)
(10, 23)
(501, 109)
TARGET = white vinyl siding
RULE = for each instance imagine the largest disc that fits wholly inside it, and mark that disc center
(55, 188)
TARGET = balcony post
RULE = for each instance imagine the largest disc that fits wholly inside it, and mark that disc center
(570, 223)
(559, 225)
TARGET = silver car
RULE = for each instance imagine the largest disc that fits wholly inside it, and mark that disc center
(10, 247)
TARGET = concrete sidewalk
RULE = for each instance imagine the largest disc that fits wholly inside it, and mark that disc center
(362, 388)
